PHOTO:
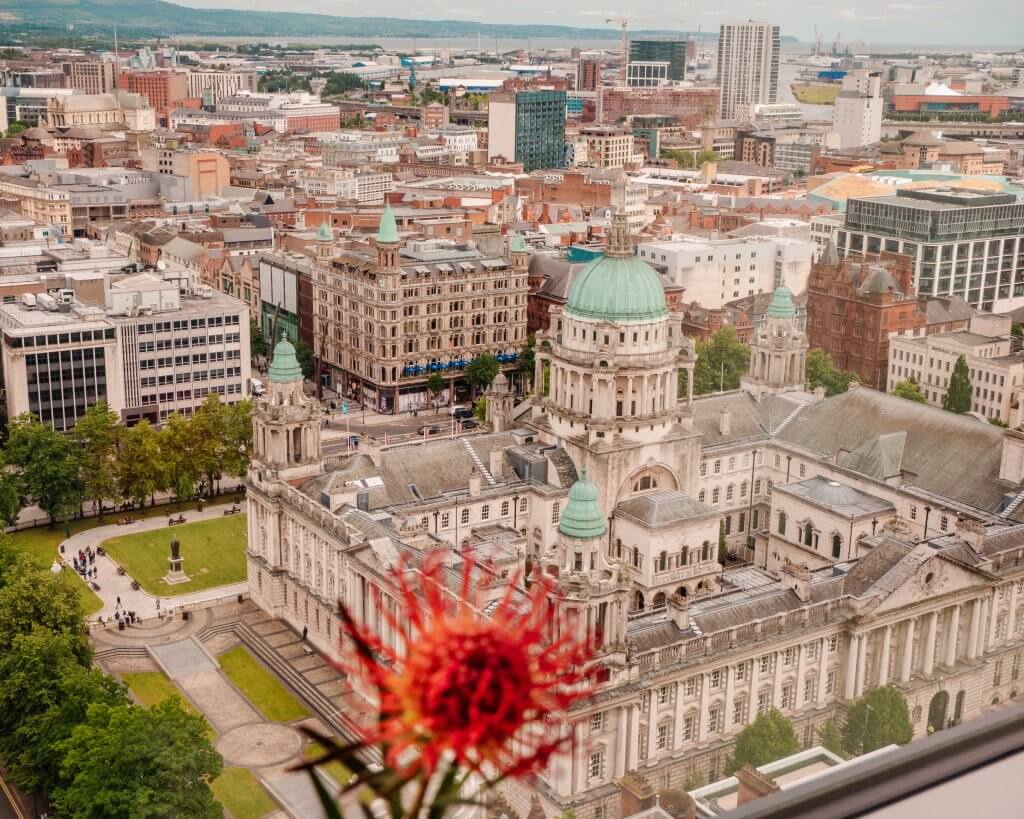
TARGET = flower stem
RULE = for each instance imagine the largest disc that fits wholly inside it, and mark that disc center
(417, 804)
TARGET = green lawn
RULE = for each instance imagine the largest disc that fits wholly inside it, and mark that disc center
(152, 688)
(816, 94)
(41, 544)
(213, 552)
(334, 769)
(241, 793)
(266, 693)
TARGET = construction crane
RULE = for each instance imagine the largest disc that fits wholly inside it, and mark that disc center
(624, 23)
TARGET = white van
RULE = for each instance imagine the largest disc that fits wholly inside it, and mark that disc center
(256, 387)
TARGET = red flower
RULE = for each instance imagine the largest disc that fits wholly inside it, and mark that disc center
(480, 686)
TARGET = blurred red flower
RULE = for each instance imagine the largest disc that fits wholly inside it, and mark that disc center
(481, 686)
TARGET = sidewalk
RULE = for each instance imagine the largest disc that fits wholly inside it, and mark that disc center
(112, 585)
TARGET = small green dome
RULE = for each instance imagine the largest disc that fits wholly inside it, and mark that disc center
(617, 286)
(323, 233)
(285, 366)
(517, 244)
(781, 304)
(387, 232)
(582, 517)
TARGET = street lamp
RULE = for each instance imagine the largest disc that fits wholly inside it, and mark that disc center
(927, 513)
(515, 510)
(436, 513)
(864, 734)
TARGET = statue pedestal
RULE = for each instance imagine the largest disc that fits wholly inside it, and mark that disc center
(174, 574)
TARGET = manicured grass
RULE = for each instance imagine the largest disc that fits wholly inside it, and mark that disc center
(41, 544)
(213, 553)
(266, 693)
(152, 688)
(241, 793)
(816, 94)
(334, 769)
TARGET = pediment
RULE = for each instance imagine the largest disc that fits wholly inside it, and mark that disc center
(914, 581)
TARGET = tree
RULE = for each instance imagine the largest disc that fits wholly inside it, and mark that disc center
(1016, 328)
(257, 341)
(126, 761)
(908, 388)
(10, 492)
(480, 409)
(341, 82)
(480, 372)
(821, 373)
(767, 738)
(720, 362)
(16, 128)
(877, 719)
(528, 357)
(707, 156)
(96, 436)
(140, 468)
(436, 384)
(34, 598)
(958, 394)
(831, 738)
(723, 548)
(45, 691)
(238, 428)
(45, 463)
(178, 451)
(305, 357)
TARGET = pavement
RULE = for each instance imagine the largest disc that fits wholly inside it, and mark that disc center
(114, 586)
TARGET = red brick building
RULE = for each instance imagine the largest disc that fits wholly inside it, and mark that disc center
(855, 304)
(165, 90)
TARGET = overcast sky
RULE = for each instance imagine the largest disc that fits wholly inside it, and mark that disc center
(933, 22)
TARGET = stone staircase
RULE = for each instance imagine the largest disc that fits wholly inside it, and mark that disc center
(120, 652)
(478, 462)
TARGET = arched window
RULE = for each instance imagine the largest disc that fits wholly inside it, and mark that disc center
(702, 496)
(837, 545)
(782, 523)
(718, 467)
(659, 601)
(662, 561)
(715, 495)
(646, 482)
(808, 534)
(682, 556)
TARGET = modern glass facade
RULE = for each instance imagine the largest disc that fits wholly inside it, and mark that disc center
(672, 52)
(540, 129)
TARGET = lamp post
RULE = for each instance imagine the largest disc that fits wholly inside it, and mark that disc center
(864, 734)
(436, 513)
(927, 514)
(515, 510)
(750, 507)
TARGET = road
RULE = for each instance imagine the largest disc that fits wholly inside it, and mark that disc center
(8, 807)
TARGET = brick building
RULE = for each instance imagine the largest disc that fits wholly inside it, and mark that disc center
(692, 107)
(855, 304)
(165, 90)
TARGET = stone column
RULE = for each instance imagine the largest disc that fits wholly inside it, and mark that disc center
(777, 681)
(862, 663)
(652, 726)
(633, 755)
(755, 672)
(952, 633)
(1011, 616)
(883, 660)
(822, 671)
(801, 671)
(702, 717)
(975, 627)
(928, 663)
(677, 730)
(621, 735)
(579, 761)
(730, 685)
(907, 660)
(991, 610)
(850, 678)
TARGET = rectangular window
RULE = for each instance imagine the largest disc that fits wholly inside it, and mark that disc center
(663, 694)
(715, 720)
(663, 735)
(787, 696)
(830, 683)
(689, 723)
(597, 723)
(810, 685)
(739, 711)
(596, 765)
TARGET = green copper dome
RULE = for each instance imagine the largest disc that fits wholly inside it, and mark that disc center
(387, 233)
(517, 244)
(617, 286)
(285, 366)
(323, 233)
(582, 517)
(782, 304)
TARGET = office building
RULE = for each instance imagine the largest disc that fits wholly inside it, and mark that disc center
(858, 109)
(748, 65)
(588, 74)
(138, 344)
(203, 173)
(608, 147)
(670, 52)
(165, 90)
(692, 107)
(527, 127)
(211, 86)
(716, 271)
(647, 74)
(995, 371)
(963, 242)
(90, 76)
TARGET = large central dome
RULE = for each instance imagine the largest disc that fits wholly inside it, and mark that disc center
(618, 286)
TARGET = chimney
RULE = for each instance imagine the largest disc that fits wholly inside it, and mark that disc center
(971, 532)
(474, 484)
(798, 578)
(497, 461)
(678, 608)
(753, 784)
(1011, 466)
(724, 421)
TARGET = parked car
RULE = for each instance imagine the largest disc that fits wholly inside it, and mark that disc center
(469, 423)
(461, 412)
(429, 430)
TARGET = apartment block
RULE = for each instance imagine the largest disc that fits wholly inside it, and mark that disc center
(527, 127)
(748, 65)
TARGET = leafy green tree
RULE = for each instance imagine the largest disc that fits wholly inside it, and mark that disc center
(10, 492)
(178, 449)
(998, 422)
(720, 362)
(257, 341)
(528, 357)
(140, 469)
(125, 762)
(238, 429)
(34, 598)
(436, 384)
(305, 357)
(958, 393)
(45, 462)
(45, 691)
(908, 388)
(831, 738)
(96, 436)
(707, 156)
(16, 128)
(877, 719)
(820, 372)
(480, 409)
(480, 372)
(341, 82)
(1016, 328)
(767, 738)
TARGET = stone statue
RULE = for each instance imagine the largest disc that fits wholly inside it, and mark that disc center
(175, 548)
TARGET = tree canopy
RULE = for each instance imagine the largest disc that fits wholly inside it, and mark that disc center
(769, 737)
(45, 463)
(341, 82)
(958, 393)
(909, 389)
(877, 719)
(96, 437)
(32, 598)
(480, 372)
(820, 372)
(721, 362)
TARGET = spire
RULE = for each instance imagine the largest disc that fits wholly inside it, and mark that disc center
(620, 242)
(387, 233)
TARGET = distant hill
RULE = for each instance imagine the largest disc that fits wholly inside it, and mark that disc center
(156, 18)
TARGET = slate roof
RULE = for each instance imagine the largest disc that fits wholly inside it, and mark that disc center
(954, 456)
(663, 508)
(749, 418)
(842, 499)
(942, 309)
(880, 457)
(868, 569)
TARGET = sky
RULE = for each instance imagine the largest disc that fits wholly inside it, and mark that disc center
(926, 22)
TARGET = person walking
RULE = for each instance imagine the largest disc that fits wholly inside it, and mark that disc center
(305, 631)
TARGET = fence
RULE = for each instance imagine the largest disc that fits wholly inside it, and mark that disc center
(171, 611)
